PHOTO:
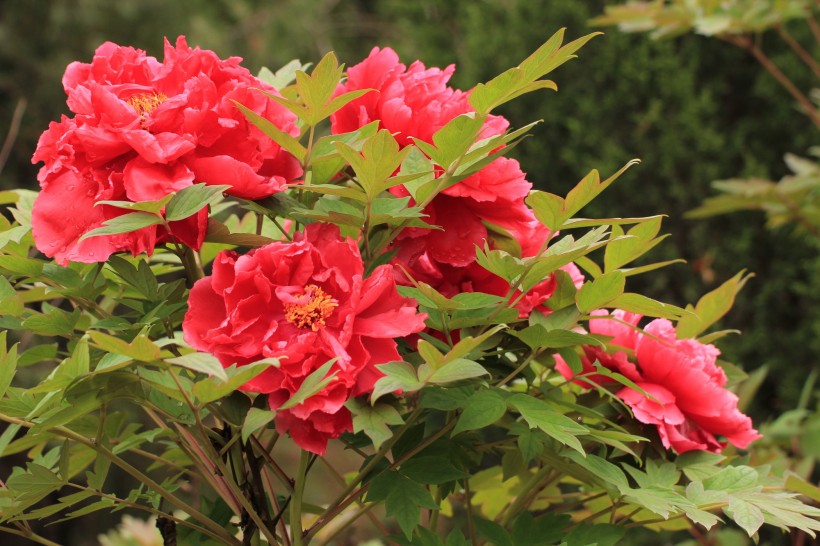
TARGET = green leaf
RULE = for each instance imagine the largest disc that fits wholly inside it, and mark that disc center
(312, 384)
(453, 140)
(553, 211)
(602, 469)
(153, 207)
(55, 322)
(598, 535)
(283, 139)
(640, 239)
(8, 363)
(202, 363)
(373, 420)
(432, 469)
(637, 303)
(140, 277)
(538, 414)
(482, 409)
(188, 201)
(214, 388)
(746, 515)
(398, 376)
(711, 307)
(493, 532)
(455, 370)
(597, 293)
(141, 348)
(282, 77)
(255, 420)
(405, 502)
(124, 224)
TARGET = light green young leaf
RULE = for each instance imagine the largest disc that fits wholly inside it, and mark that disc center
(140, 348)
(711, 307)
(454, 370)
(374, 420)
(202, 363)
(637, 303)
(397, 376)
(599, 292)
(213, 388)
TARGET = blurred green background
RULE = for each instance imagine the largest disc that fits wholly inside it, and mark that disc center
(693, 109)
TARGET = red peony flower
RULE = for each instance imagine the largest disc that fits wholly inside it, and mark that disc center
(688, 401)
(416, 102)
(304, 302)
(143, 129)
(410, 102)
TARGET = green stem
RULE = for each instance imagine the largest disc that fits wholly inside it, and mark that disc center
(191, 263)
(298, 534)
(32, 536)
(134, 473)
(523, 499)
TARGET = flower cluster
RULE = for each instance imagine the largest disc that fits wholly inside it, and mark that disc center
(303, 302)
(683, 390)
(143, 129)
(413, 103)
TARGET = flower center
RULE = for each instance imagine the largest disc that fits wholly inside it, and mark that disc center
(314, 306)
(146, 103)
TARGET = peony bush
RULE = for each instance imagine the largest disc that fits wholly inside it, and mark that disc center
(221, 272)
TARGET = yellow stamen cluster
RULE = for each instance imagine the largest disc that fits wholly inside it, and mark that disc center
(146, 103)
(319, 305)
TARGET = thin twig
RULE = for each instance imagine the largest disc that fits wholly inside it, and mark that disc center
(748, 44)
(804, 55)
(11, 135)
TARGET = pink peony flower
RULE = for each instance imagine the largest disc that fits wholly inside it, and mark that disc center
(304, 302)
(688, 402)
(143, 129)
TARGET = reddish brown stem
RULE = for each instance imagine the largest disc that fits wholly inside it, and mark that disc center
(804, 55)
(748, 44)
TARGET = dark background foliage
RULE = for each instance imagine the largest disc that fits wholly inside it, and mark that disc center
(693, 109)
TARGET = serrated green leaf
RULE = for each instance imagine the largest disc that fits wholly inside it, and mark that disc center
(398, 376)
(405, 501)
(374, 420)
(538, 414)
(482, 409)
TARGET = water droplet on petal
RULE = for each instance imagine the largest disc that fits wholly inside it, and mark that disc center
(70, 187)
